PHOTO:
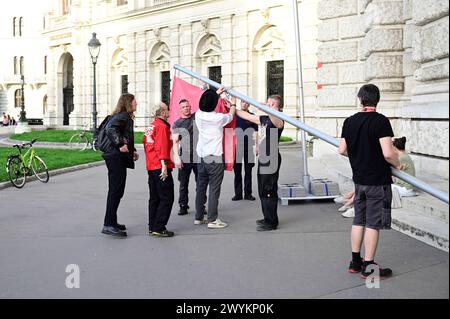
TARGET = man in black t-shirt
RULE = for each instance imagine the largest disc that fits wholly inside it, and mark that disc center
(366, 140)
(269, 161)
(184, 137)
(244, 155)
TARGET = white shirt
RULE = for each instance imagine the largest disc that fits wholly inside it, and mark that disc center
(210, 127)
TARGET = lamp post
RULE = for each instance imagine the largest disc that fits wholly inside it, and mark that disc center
(94, 49)
(23, 117)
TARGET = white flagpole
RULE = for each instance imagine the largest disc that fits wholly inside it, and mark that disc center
(306, 177)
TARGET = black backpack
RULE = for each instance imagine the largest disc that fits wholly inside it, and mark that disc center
(101, 140)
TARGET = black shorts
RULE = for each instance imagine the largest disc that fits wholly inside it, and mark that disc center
(373, 206)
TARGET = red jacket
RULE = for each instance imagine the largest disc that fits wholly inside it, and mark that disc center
(158, 145)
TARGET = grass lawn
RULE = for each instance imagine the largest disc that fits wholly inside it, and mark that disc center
(54, 158)
(46, 136)
(285, 139)
(58, 136)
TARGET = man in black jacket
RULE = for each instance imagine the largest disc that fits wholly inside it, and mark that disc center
(119, 154)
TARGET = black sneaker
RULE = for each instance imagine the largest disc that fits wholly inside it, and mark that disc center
(260, 222)
(236, 198)
(164, 233)
(382, 272)
(355, 267)
(264, 223)
(183, 211)
(249, 197)
(113, 231)
(266, 227)
(121, 227)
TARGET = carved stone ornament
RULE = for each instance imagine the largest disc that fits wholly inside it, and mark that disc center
(265, 13)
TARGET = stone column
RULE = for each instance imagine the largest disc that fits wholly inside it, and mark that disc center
(241, 59)
(186, 50)
(49, 118)
(227, 49)
(140, 71)
(383, 48)
(426, 116)
(340, 69)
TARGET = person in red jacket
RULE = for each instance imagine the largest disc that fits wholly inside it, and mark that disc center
(158, 151)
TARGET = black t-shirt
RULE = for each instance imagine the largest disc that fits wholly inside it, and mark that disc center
(362, 133)
(265, 137)
(186, 127)
(243, 139)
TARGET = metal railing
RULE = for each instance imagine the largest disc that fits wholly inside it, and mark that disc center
(327, 138)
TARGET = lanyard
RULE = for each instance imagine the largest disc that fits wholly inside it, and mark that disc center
(369, 109)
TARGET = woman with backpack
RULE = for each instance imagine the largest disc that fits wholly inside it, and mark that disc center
(119, 154)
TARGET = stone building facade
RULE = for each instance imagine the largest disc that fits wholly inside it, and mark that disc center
(247, 45)
(403, 47)
(23, 52)
(400, 45)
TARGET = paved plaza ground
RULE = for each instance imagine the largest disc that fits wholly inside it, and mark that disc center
(44, 228)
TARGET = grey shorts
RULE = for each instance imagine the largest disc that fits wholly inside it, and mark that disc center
(373, 206)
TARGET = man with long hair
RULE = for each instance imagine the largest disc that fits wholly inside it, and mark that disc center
(119, 154)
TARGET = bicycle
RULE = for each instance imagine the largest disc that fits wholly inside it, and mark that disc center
(20, 166)
(82, 141)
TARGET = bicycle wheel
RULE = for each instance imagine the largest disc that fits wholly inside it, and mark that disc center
(39, 169)
(94, 145)
(15, 171)
(78, 141)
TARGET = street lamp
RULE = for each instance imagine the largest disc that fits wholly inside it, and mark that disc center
(94, 49)
(23, 114)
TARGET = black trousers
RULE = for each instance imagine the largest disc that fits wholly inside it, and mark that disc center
(184, 175)
(161, 200)
(117, 176)
(268, 192)
(248, 167)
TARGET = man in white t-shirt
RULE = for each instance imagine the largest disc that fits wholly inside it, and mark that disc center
(210, 152)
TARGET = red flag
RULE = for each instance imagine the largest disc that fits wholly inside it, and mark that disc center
(184, 90)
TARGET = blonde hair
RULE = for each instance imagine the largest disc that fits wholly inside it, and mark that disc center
(279, 99)
(125, 104)
(161, 107)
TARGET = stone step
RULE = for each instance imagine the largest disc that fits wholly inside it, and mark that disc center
(424, 217)
(428, 230)
(427, 205)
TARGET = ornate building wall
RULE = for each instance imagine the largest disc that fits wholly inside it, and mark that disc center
(21, 26)
(142, 39)
(399, 45)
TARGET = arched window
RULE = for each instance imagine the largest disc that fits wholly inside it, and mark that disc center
(45, 65)
(14, 26)
(22, 66)
(20, 26)
(17, 98)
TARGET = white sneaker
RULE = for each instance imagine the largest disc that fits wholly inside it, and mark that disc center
(344, 208)
(217, 224)
(339, 200)
(350, 213)
(200, 222)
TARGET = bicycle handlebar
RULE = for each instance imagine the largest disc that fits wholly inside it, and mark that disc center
(25, 144)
